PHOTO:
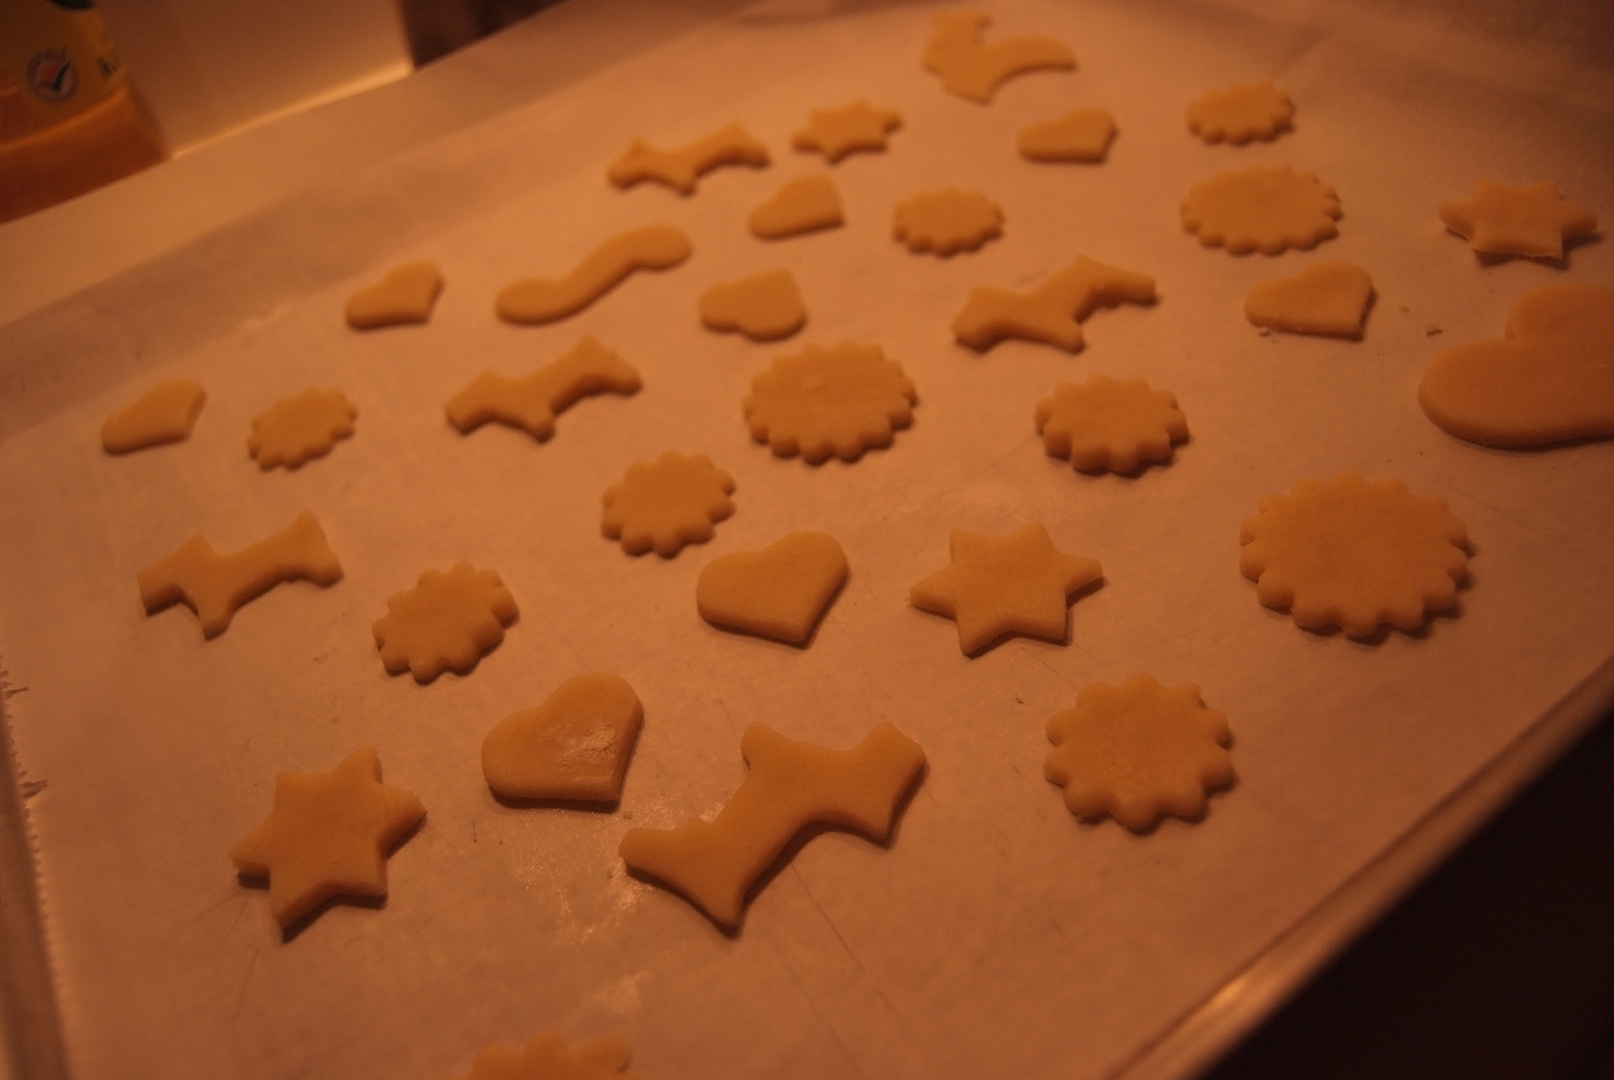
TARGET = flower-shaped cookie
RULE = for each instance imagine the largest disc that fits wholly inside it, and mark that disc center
(1240, 112)
(1103, 424)
(667, 503)
(1138, 752)
(1269, 209)
(299, 428)
(1355, 554)
(946, 222)
(447, 621)
(842, 401)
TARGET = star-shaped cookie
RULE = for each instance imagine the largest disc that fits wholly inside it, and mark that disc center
(838, 132)
(1530, 219)
(329, 835)
(1017, 583)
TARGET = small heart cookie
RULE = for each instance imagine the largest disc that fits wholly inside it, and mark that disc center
(1330, 298)
(764, 307)
(575, 746)
(779, 592)
(404, 296)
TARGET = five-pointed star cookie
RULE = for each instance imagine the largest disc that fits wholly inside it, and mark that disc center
(1530, 219)
(329, 835)
(838, 132)
(1016, 583)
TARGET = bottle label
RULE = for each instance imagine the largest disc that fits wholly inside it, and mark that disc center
(60, 53)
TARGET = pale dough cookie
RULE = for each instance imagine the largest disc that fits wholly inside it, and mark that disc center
(300, 428)
(1269, 209)
(1103, 424)
(680, 168)
(779, 592)
(1052, 312)
(1550, 380)
(532, 401)
(215, 586)
(763, 307)
(547, 1057)
(1016, 583)
(329, 835)
(446, 622)
(838, 132)
(791, 784)
(1138, 752)
(667, 503)
(541, 300)
(801, 206)
(1329, 298)
(841, 400)
(972, 69)
(573, 747)
(1240, 113)
(163, 414)
(1530, 219)
(406, 295)
(947, 222)
(1355, 554)
(1079, 135)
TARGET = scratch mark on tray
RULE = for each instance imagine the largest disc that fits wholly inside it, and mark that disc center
(825, 916)
(818, 1015)
(241, 999)
(1028, 653)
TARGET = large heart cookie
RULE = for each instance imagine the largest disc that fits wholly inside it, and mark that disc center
(763, 307)
(1551, 380)
(406, 295)
(779, 592)
(575, 746)
(1330, 298)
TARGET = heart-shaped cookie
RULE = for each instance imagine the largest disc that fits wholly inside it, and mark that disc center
(763, 307)
(1330, 298)
(404, 296)
(800, 206)
(575, 746)
(1550, 380)
(779, 592)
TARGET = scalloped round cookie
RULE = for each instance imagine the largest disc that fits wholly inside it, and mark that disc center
(947, 222)
(1269, 209)
(1241, 112)
(446, 622)
(1107, 425)
(667, 503)
(842, 401)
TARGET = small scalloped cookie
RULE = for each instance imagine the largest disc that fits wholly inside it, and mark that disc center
(298, 429)
(446, 622)
(763, 307)
(842, 401)
(1269, 209)
(1079, 135)
(1355, 554)
(664, 504)
(1107, 425)
(1138, 752)
(405, 295)
(1528, 219)
(163, 414)
(947, 222)
(1241, 112)
(1329, 299)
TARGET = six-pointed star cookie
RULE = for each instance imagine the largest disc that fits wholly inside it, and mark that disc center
(1531, 219)
(838, 132)
(329, 835)
(1016, 583)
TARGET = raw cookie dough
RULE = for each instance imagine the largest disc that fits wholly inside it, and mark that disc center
(679, 169)
(1103, 424)
(1550, 380)
(532, 401)
(667, 503)
(947, 222)
(791, 784)
(300, 428)
(1530, 219)
(1355, 554)
(841, 400)
(1016, 583)
(406, 295)
(800, 206)
(163, 414)
(1052, 312)
(216, 586)
(446, 622)
(1269, 209)
(779, 592)
(329, 835)
(541, 300)
(763, 307)
(573, 747)
(547, 1057)
(1138, 752)
(972, 69)
(838, 132)
(1079, 135)
(1240, 112)
(1329, 298)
